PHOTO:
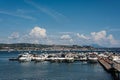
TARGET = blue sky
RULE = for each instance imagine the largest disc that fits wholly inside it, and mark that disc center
(81, 22)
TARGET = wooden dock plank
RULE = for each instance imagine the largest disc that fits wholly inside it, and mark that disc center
(117, 66)
(105, 64)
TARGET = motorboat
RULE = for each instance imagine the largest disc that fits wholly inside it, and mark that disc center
(25, 57)
(83, 58)
(116, 59)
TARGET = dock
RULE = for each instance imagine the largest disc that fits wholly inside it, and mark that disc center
(117, 66)
(105, 64)
(111, 67)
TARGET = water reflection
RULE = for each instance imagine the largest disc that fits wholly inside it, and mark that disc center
(50, 71)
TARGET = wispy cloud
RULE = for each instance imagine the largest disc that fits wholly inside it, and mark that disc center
(54, 14)
(65, 37)
(82, 36)
(66, 32)
(114, 30)
(17, 15)
(14, 35)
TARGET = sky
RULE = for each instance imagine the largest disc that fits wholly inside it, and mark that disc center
(64, 22)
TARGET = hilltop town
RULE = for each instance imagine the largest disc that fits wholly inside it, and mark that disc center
(43, 47)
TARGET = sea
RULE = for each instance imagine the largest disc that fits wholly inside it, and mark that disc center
(14, 70)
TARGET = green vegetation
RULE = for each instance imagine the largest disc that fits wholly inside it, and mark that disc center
(28, 46)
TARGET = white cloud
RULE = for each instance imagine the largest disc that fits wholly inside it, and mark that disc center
(14, 35)
(35, 41)
(82, 36)
(65, 37)
(98, 35)
(66, 32)
(71, 40)
(25, 38)
(38, 32)
(49, 41)
(101, 38)
(38, 35)
(112, 40)
(104, 39)
(66, 40)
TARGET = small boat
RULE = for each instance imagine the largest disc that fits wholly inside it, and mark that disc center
(25, 57)
(116, 59)
(39, 58)
(13, 59)
(61, 60)
(69, 60)
(83, 58)
(92, 58)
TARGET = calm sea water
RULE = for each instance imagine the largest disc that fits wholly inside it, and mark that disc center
(13, 70)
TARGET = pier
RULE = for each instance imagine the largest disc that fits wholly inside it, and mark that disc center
(112, 67)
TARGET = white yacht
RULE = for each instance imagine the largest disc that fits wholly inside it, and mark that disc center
(25, 57)
(116, 59)
(92, 58)
(39, 58)
(83, 58)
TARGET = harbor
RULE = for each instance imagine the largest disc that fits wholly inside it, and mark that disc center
(109, 61)
(56, 57)
(59, 40)
(49, 70)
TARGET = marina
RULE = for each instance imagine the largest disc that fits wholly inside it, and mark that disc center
(46, 70)
(109, 61)
(59, 40)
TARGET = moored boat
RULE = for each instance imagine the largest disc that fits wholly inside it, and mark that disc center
(116, 59)
(92, 58)
(25, 57)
